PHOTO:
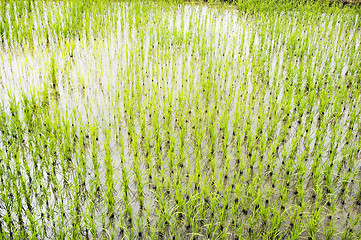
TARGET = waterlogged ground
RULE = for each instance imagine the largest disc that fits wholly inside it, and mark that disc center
(180, 122)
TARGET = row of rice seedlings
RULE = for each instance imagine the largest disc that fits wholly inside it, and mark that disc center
(186, 166)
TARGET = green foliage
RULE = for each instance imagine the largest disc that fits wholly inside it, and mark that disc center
(173, 120)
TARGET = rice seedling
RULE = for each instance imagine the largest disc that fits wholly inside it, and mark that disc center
(179, 120)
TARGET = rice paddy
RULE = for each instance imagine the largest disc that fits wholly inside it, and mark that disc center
(144, 120)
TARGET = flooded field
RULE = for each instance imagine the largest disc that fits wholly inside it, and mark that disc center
(139, 120)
